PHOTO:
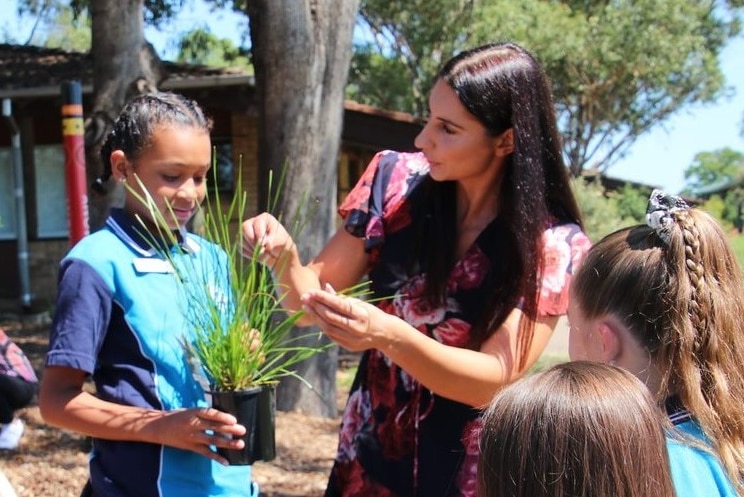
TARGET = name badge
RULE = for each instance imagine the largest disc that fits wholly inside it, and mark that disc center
(152, 265)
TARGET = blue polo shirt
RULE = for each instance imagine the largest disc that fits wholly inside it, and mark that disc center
(120, 318)
(695, 472)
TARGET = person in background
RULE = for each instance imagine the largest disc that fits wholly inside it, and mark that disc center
(117, 319)
(665, 301)
(18, 384)
(579, 429)
(469, 246)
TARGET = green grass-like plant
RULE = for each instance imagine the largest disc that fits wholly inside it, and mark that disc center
(242, 339)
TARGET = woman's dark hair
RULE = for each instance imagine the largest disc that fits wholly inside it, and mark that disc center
(504, 87)
(579, 429)
(132, 131)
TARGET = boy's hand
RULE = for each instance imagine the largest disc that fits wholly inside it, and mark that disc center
(188, 429)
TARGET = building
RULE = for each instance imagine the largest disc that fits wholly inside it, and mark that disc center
(30, 90)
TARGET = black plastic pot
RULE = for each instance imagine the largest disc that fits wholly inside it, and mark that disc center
(255, 409)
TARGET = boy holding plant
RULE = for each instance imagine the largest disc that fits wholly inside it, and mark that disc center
(118, 320)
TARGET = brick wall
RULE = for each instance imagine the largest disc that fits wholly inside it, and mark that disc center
(43, 264)
(245, 156)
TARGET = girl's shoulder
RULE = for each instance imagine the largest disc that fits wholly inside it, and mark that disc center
(696, 471)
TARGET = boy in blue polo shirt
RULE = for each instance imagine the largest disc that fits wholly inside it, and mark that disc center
(118, 319)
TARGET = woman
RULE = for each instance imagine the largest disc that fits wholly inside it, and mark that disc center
(469, 246)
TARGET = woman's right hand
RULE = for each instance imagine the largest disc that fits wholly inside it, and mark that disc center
(265, 237)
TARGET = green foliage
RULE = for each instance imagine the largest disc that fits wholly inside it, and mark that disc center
(625, 67)
(618, 68)
(716, 207)
(632, 202)
(55, 25)
(411, 39)
(345, 378)
(199, 46)
(602, 211)
(390, 74)
(714, 168)
(69, 32)
(719, 175)
(547, 361)
(737, 244)
(241, 339)
(155, 11)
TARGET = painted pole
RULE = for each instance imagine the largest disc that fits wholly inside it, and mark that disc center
(74, 146)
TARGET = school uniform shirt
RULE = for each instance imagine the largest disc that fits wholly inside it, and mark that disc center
(397, 437)
(695, 472)
(121, 317)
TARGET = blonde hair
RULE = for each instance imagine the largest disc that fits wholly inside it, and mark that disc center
(583, 429)
(683, 300)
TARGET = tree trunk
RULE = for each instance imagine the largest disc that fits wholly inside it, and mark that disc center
(301, 54)
(124, 65)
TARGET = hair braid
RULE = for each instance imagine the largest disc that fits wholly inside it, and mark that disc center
(705, 362)
(695, 269)
(678, 288)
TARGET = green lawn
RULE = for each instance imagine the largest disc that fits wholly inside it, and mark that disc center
(737, 242)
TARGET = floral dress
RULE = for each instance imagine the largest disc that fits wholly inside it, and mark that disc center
(397, 437)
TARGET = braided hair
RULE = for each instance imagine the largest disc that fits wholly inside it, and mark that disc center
(679, 291)
(133, 129)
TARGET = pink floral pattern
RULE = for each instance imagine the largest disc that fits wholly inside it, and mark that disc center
(397, 437)
(13, 362)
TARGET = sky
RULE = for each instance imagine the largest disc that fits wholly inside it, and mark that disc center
(657, 158)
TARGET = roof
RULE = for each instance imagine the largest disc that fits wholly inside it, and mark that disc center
(31, 71)
(28, 71)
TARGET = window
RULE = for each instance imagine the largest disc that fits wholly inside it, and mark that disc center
(7, 196)
(51, 192)
(222, 162)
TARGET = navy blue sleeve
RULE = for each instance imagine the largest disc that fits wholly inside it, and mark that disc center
(81, 317)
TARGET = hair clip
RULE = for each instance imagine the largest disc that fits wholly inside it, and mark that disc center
(659, 212)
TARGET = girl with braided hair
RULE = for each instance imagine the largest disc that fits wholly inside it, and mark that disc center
(666, 301)
(118, 321)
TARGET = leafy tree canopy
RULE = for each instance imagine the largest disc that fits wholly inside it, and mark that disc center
(200, 46)
(56, 25)
(156, 11)
(712, 169)
(618, 67)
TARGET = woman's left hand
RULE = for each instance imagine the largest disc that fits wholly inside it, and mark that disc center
(352, 323)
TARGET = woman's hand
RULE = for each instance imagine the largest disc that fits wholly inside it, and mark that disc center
(187, 429)
(352, 323)
(264, 235)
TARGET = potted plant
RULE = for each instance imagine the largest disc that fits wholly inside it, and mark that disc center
(240, 344)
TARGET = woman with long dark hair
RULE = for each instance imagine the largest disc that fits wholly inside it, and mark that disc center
(469, 246)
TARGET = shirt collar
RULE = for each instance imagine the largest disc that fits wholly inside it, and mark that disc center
(676, 411)
(131, 231)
